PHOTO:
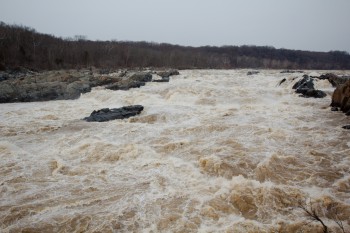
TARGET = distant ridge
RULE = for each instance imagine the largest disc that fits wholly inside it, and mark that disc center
(22, 46)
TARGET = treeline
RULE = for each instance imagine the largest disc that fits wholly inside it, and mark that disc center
(24, 47)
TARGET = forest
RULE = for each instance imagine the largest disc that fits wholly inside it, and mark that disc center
(21, 46)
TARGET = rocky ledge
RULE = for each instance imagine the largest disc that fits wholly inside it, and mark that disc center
(27, 86)
(106, 114)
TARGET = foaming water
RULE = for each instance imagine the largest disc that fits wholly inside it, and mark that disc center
(213, 151)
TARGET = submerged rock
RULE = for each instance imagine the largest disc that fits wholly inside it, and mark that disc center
(346, 127)
(291, 71)
(252, 72)
(106, 114)
(282, 81)
(162, 80)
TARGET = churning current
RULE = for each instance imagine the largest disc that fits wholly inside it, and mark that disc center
(212, 151)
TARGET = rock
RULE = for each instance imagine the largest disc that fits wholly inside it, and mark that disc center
(282, 81)
(341, 97)
(291, 71)
(346, 127)
(167, 74)
(73, 90)
(334, 109)
(311, 93)
(305, 87)
(134, 81)
(141, 77)
(162, 80)
(335, 80)
(252, 72)
(107, 114)
(49, 85)
(3, 76)
(306, 82)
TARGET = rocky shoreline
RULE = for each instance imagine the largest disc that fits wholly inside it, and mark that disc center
(28, 86)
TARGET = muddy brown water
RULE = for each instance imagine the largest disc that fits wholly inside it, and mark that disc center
(213, 151)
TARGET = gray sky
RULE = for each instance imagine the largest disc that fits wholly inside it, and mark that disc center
(317, 25)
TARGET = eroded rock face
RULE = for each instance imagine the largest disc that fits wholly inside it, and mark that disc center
(107, 114)
(341, 97)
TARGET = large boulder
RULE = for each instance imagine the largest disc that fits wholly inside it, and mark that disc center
(341, 97)
(305, 82)
(306, 88)
(107, 114)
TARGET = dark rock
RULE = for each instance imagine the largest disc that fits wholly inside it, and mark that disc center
(167, 74)
(334, 109)
(107, 114)
(282, 81)
(306, 82)
(305, 87)
(3, 76)
(291, 71)
(252, 72)
(341, 97)
(141, 77)
(346, 127)
(311, 93)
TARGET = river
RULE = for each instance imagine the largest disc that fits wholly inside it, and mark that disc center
(212, 151)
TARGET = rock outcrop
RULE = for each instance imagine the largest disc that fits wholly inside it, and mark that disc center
(306, 88)
(22, 85)
(52, 85)
(107, 114)
(335, 80)
(341, 97)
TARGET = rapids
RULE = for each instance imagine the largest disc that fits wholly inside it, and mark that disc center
(213, 151)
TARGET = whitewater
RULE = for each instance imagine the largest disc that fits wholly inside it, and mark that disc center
(212, 151)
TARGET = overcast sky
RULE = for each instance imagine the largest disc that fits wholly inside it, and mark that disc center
(318, 25)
